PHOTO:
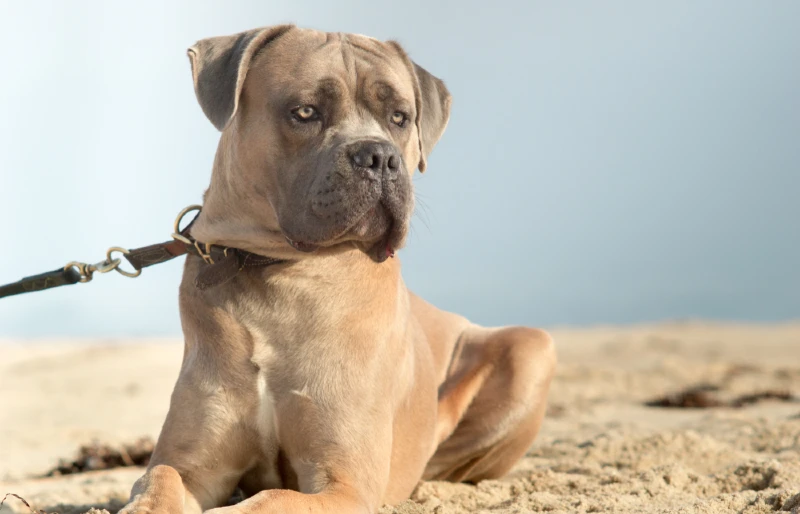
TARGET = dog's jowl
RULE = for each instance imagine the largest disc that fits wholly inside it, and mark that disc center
(321, 384)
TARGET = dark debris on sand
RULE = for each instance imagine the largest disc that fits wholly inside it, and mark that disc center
(97, 456)
(704, 396)
(748, 399)
(23, 500)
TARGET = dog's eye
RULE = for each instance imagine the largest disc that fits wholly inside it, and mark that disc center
(305, 113)
(399, 118)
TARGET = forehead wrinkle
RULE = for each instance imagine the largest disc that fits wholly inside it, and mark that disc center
(370, 51)
(304, 69)
(329, 38)
(348, 56)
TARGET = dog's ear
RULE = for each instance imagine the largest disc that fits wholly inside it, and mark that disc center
(433, 111)
(219, 67)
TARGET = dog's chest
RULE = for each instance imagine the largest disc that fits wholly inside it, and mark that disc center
(266, 473)
(265, 415)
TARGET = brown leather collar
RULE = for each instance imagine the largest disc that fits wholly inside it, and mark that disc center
(222, 263)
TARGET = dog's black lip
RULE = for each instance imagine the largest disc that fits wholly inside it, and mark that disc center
(385, 247)
(301, 246)
(382, 250)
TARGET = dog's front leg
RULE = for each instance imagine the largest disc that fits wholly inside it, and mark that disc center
(339, 446)
(203, 448)
(340, 499)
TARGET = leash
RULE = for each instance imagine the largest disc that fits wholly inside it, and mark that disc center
(222, 263)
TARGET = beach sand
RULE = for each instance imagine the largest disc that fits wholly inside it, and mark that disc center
(601, 449)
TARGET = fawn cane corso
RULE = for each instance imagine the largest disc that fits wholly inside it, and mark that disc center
(322, 384)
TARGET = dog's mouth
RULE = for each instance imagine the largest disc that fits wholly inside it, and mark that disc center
(385, 247)
(377, 233)
(301, 246)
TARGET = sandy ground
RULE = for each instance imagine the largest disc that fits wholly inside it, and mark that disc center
(600, 449)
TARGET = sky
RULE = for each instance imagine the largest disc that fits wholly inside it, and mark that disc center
(605, 162)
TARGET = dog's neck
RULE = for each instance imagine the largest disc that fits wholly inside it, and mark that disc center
(235, 218)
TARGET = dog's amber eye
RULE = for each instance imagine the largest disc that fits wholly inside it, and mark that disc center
(305, 113)
(399, 118)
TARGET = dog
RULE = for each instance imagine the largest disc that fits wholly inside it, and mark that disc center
(321, 383)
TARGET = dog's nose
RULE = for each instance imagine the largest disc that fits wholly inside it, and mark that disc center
(375, 158)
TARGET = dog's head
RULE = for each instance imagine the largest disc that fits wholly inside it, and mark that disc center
(321, 133)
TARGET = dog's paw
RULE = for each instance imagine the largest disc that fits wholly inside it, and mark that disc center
(160, 491)
(151, 505)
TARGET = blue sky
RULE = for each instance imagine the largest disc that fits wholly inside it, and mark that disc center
(606, 162)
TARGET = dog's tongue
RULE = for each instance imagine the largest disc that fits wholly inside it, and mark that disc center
(382, 250)
(388, 252)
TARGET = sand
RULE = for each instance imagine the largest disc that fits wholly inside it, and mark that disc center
(600, 450)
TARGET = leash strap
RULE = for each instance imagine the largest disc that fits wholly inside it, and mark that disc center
(222, 263)
(49, 280)
(141, 258)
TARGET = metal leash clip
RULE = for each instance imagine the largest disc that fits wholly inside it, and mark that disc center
(110, 263)
(87, 271)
